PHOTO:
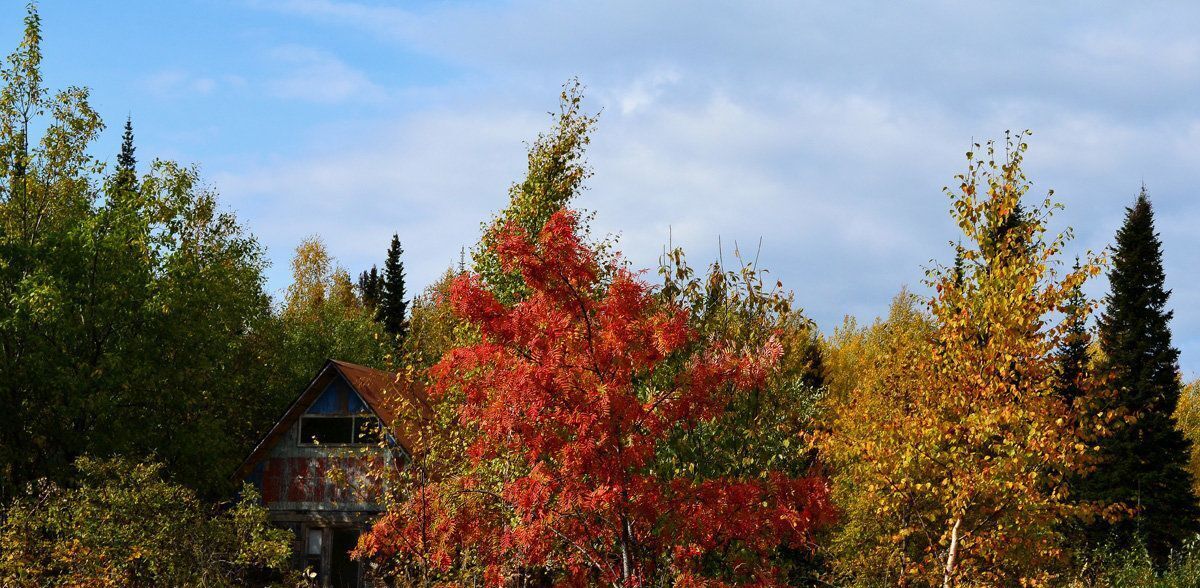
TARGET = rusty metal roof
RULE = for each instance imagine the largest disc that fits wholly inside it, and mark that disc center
(374, 385)
(385, 393)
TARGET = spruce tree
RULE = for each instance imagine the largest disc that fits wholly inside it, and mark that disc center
(392, 304)
(1073, 353)
(369, 284)
(1013, 228)
(1145, 458)
(126, 174)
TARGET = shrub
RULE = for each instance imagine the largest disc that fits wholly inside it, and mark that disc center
(123, 524)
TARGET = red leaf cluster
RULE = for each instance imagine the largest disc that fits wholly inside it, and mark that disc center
(565, 417)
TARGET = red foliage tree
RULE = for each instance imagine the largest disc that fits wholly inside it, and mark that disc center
(563, 403)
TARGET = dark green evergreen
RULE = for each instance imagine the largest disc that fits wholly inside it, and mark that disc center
(958, 266)
(1008, 233)
(126, 174)
(1073, 353)
(369, 287)
(392, 302)
(1144, 463)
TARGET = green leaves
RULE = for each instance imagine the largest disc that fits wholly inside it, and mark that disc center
(125, 304)
(555, 176)
(123, 524)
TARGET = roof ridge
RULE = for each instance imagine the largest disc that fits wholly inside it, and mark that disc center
(343, 362)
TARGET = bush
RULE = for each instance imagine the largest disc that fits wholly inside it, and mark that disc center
(125, 525)
(1134, 568)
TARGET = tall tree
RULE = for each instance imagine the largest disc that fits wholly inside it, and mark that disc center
(1145, 459)
(555, 176)
(393, 305)
(369, 285)
(564, 402)
(46, 217)
(1073, 356)
(954, 452)
(123, 317)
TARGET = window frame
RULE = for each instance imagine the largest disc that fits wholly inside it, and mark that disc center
(354, 419)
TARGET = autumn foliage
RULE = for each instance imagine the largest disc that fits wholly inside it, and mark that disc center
(563, 409)
(955, 454)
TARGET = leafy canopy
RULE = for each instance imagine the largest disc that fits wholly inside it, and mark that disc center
(125, 525)
(953, 451)
(564, 410)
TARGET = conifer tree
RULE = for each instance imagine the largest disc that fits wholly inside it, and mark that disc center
(369, 284)
(126, 176)
(1073, 352)
(392, 303)
(1145, 457)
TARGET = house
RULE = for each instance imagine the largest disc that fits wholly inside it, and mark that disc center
(341, 422)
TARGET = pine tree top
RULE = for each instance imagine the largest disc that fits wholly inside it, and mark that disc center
(393, 304)
(126, 159)
(1136, 318)
(126, 173)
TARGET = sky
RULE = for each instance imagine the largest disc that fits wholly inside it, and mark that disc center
(823, 130)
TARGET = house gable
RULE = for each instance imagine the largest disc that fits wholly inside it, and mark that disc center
(289, 466)
(339, 398)
(339, 388)
(317, 435)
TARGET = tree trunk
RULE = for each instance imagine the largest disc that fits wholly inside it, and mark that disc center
(950, 555)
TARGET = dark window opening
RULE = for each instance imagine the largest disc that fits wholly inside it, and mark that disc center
(366, 429)
(339, 430)
(325, 430)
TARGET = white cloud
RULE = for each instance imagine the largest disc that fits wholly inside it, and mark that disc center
(318, 76)
(827, 129)
(644, 90)
(431, 177)
(175, 83)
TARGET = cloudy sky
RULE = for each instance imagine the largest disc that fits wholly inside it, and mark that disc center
(825, 129)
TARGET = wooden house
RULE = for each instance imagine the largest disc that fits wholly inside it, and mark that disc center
(341, 422)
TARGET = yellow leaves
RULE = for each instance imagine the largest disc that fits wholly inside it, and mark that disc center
(965, 420)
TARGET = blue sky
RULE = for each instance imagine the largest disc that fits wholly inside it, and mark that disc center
(826, 129)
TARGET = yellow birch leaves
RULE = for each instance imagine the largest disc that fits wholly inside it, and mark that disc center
(951, 450)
